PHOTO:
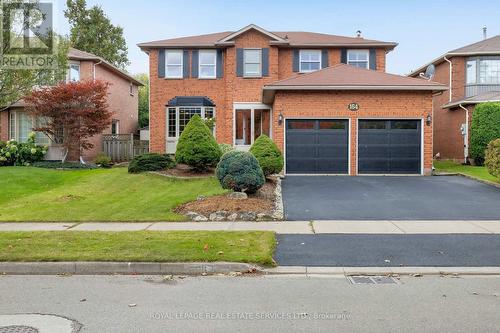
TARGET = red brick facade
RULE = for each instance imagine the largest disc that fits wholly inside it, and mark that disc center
(227, 90)
(4, 126)
(310, 105)
(231, 89)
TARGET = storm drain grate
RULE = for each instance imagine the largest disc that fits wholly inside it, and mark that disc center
(18, 329)
(361, 279)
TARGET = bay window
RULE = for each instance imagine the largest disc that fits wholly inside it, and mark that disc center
(21, 125)
(207, 64)
(179, 117)
(310, 60)
(173, 64)
(250, 123)
(358, 58)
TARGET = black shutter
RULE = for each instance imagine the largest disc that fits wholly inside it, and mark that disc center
(194, 63)
(161, 63)
(185, 63)
(373, 59)
(296, 65)
(324, 58)
(239, 62)
(220, 64)
(265, 62)
(343, 56)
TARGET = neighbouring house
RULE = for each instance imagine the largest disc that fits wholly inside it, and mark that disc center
(324, 99)
(16, 124)
(472, 73)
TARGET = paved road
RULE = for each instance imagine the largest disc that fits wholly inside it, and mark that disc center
(389, 198)
(428, 304)
(372, 250)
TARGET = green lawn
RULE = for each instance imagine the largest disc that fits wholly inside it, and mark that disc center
(152, 246)
(35, 194)
(479, 172)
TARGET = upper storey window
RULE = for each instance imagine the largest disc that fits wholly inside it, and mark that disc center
(207, 66)
(173, 64)
(252, 62)
(358, 58)
(483, 71)
(310, 60)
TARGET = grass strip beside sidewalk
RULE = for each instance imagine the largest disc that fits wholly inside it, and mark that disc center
(138, 246)
(479, 172)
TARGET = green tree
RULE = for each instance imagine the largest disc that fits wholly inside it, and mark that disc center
(143, 99)
(267, 153)
(197, 146)
(485, 128)
(92, 31)
(17, 83)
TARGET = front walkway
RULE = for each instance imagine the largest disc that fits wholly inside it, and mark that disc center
(285, 227)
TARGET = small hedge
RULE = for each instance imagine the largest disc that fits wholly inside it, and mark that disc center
(485, 128)
(66, 165)
(492, 158)
(225, 148)
(240, 171)
(150, 162)
(269, 156)
(103, 160)
(197, 146)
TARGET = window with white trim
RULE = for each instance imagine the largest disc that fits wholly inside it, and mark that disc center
(21, 125)
(173, 64)
(74, 72)
(179, 117)
(310, 60)
(252, 62)
(358, 58)
(207, 64)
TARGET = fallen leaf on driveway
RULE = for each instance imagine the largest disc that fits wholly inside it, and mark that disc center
(133, 305)
(387, 260)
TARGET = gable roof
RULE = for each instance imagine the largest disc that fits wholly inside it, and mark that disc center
(486, 46)
(75, 54)
(490, 96)
(284, 38)
(347, 77)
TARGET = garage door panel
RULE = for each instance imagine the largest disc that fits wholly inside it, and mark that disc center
(389, 146)
(317, 146)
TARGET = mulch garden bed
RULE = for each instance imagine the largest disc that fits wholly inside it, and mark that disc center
(184, 171)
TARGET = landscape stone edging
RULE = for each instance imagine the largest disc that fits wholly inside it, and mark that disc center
(97, 268)
(278, 213)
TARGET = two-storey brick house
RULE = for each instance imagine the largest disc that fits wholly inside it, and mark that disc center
(472, 73)
(324, 99)
(123, 99)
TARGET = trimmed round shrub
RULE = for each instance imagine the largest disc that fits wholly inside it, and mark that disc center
(485, 128)
(150, 162)
(197, 146)
(269, 156)
(103, 160)
(225, 148)
(492, 158)
(240, 171)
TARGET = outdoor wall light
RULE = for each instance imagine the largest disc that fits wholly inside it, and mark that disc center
(280, 119)
(428, 120)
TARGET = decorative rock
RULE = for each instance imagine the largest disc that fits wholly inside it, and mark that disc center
(191, 215)
(247, 216)
(238, 195)
(218, 216)
(232, 217)
(201, 198)
(199, 218)
(264, 217)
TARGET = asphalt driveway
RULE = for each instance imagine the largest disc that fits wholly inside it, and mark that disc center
(389, 198)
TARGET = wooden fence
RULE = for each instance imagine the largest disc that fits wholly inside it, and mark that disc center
(123, 147)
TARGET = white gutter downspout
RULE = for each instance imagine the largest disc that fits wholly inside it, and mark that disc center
(451, 71)
(466, 143)
(97, 63)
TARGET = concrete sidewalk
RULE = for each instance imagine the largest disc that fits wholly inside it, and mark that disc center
(284, 227)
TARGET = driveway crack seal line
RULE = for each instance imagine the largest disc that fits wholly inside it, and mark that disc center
(480, 227)
(311, 224)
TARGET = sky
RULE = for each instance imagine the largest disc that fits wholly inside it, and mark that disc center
(424, 29)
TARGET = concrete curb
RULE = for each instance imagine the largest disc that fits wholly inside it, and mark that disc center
(347, 271)
(139, 268)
